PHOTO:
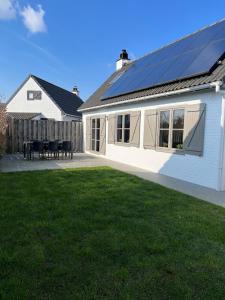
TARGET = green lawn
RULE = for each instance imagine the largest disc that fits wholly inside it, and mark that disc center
(97, 233)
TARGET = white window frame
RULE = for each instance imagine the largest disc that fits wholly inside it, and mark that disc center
(123, 128)
(95, 129)
(171, 129)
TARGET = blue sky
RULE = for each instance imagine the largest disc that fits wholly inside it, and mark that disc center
(77, 42)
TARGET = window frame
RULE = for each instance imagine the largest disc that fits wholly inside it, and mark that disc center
(35, 97)
(95, 138)
(169, 149)
(123, 128)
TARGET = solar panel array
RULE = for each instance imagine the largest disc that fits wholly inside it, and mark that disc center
(191, 56)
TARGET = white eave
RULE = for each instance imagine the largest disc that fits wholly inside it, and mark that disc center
(215, 84)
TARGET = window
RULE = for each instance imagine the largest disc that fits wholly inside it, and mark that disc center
(95, 135)
(171, 128)
(34, 95)
(164, 129)
(123, 129)
(178, 129)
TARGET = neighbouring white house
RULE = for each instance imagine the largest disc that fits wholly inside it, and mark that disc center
(165, 112)
(38, 99)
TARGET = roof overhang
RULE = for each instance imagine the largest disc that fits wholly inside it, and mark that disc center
(215, 84)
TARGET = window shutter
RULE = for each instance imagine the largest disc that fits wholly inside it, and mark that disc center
(150, 129)
(194, 128)
(88, 134)
(111, 129)
(135, 120)
(102, 135)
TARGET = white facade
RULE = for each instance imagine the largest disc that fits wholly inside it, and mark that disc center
(203, 170)
(223, 144)
(45, 106)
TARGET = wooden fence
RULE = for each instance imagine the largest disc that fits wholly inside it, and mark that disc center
(19, 131)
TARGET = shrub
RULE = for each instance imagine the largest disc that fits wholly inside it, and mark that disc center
(3, 126)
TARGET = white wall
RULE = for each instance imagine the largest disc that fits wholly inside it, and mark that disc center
(46, 106)
(223, 144)
(200, 170)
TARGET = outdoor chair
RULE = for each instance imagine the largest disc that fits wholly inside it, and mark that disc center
(67, 148)
(53, 149)
(38, 147)
(45, 146)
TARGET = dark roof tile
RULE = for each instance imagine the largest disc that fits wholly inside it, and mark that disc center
(22, 116)
(67, 101)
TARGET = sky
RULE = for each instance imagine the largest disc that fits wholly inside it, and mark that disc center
(73, 42)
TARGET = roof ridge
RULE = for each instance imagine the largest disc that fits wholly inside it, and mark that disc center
(180, 39)
(53, 84)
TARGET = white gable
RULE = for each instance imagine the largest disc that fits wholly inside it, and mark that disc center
(45, 106)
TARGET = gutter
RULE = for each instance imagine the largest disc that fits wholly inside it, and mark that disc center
(74, 116)
(222, 139)
(215, 84)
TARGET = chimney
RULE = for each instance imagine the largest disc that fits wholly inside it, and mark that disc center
(123, 60)
(75, 91)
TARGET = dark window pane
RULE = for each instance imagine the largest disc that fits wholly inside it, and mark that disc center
(93, 134)
(98, 134)
(164, 119)
(119, 135)
(126, 135)
(98, 123)
(38, 95)
(93, 145)
(177, 142)
(178, 118)
(97, 145)
(164, 138)
(127, 121)
(93, 123)
(119, 121)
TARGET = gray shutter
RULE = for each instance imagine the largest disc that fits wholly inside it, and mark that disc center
(150, 129)
(111, 129)
(194, 128)
(102, 135)
(135, 120)
(88, 134)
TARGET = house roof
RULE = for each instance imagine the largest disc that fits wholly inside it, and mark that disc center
(22, 116)
(96, 100)
(65, 100)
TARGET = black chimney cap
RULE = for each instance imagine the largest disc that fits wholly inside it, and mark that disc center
(124, 54)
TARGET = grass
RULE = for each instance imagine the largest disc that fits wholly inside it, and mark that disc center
(97, 233)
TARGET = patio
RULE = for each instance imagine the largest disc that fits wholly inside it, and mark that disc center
(16, 163)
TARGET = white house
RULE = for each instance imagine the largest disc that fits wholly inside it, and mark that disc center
(37, 98)
(165, 112)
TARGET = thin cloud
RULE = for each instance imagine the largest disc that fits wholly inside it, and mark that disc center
(47, 54)
(33, 19)
(7, 9)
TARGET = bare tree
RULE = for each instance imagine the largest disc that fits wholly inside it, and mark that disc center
(2, 98)
(3, 126)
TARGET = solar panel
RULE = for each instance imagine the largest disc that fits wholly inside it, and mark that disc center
(191, 56)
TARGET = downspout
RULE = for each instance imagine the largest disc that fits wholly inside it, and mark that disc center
(222, 135)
